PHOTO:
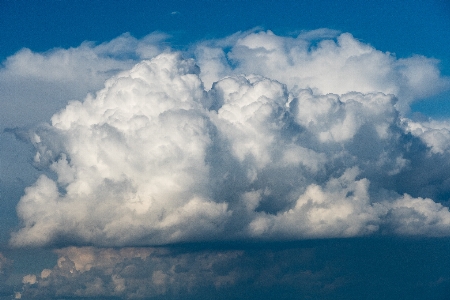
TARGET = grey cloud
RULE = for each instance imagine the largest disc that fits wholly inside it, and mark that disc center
(322, 269)
(137, 273)
(36, 85)
(6, 266)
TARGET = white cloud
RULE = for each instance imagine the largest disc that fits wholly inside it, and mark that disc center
(154, 158)
(418, 216)
(324, 61)
(343, 209)
(435, 134)
(29, 279)
(134, 156)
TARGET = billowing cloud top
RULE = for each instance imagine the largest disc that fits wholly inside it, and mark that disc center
(325, 65)
(287, 141)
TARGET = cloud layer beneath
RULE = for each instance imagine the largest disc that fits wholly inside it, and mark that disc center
(256, 137)
(308, 270)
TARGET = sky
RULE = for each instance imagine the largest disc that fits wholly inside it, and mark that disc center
(224, 149)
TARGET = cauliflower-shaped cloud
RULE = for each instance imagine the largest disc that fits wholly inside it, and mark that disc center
(289, 142)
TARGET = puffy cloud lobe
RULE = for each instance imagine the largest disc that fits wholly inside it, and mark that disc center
(338, 119)
(435, 134)
(251, 116)
(138, 165)
(342, 209)
(418, 216)
(324, 61)
(154, 158)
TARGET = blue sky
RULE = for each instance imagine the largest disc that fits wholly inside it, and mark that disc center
(420, 27)
(226, 149)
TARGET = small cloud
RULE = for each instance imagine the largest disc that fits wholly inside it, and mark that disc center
(320, 33)
(175, 13)
(30, 279)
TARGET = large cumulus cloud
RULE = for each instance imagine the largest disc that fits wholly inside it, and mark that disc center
(272, 150)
